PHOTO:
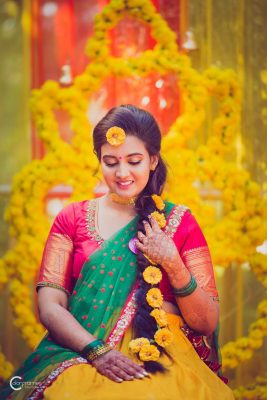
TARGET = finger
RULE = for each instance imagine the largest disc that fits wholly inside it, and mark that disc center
(140, 246)
(147, 227)
(141, 236)
(154, 224)
(134, 369)
(121, 373)
(109, 374)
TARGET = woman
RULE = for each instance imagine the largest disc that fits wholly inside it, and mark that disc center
(126, 288)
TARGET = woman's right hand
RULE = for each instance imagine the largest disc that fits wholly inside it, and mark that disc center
(117, 367)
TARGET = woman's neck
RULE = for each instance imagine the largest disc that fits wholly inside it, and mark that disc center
(111, 202)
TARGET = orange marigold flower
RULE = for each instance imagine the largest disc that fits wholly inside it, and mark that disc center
(135, 345)
(163, 337)
(115, 136)
(160, 218)
(149, 352)
(154, 297)
(160, 317)
(152, 275)
(158, 202)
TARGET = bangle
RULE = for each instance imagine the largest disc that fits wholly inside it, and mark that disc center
(95, 349)
(186, 290)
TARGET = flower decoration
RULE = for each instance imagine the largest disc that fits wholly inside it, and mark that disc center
(154, 297)
(115, 136)
(152, 275)
(159, 218)
(135, 345)
(149, 352)
(163, 337)
(160, 317)
(158, 202)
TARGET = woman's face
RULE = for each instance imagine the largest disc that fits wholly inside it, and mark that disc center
(126, 168)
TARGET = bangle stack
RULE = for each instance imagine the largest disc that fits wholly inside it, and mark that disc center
(95, 349)
(186, 290)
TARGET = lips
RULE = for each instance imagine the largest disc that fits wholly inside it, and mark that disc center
(124, 184)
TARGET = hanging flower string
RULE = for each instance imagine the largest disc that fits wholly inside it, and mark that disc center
(147, 349)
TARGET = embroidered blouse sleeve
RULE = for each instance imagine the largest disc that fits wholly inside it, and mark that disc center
(196, 256)
(56, 265)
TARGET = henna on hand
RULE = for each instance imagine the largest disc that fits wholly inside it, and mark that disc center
(117, 367)
(158, 246)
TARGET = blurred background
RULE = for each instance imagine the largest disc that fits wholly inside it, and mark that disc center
(41, 40)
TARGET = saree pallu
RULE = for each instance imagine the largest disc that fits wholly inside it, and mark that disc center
(103, 302)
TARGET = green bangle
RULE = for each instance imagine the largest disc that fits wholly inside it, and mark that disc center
(95, 349)
(91, 346)
(186, 290)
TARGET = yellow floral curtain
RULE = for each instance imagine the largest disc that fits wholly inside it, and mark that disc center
(233, 34)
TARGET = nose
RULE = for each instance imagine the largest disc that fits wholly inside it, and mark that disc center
(122, 170)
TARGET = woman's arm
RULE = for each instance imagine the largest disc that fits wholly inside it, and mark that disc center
(198, 309)
(67, 331)
(59, 322)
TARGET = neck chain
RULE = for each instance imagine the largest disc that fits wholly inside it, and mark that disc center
(126, 201)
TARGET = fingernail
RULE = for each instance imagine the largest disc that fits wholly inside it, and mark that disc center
(140, 376)
(145, 373)
(119, 380)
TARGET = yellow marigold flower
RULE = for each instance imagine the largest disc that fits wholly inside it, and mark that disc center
(135, 345)
(158, 202)
(149, 352)
(115, 136)
(154, 297)
(152, 275)
(160, 317)
(163, 337)
(160, 218)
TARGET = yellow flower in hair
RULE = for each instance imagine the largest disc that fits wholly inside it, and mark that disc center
(158, 202)
(160, 218)
(154, 297)
(135, 345)
(160, 317)
(115, 136)
(163, 337)
(152, 275)
(149, 352)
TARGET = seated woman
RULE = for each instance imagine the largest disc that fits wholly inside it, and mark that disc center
(126, 287)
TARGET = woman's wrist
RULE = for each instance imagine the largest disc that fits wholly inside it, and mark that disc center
(95, 349)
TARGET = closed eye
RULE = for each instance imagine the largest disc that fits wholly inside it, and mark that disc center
(129, 162)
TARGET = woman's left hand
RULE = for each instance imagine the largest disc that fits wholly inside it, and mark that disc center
(157, 246)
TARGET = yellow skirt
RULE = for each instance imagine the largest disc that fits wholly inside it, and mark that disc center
(188, 378)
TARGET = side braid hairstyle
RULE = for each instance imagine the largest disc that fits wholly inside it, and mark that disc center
(140, 123)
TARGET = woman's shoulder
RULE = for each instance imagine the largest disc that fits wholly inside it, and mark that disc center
(176, 208)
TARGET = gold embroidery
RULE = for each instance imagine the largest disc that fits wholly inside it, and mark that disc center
(53, 285)
(174, 220)
(47, 381)
(91, 222)
(56, 266)
(123, 322)
(198, 262)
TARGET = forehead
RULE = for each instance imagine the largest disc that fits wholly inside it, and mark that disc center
(132, 144)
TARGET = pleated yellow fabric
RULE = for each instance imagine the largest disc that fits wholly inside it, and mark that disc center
(187, 377)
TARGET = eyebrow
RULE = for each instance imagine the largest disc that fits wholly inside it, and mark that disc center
(129, 155)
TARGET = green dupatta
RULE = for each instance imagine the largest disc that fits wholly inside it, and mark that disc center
(104, 288)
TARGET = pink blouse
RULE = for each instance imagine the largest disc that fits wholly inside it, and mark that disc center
(73, 237)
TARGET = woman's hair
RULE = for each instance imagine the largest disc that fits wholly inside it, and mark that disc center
(140, 123)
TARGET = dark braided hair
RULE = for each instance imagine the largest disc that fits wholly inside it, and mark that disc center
(140, 123)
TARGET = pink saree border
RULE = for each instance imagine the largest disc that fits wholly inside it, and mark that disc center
(124, 320)
(46, 382)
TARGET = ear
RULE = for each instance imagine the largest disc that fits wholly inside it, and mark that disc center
(153, 162)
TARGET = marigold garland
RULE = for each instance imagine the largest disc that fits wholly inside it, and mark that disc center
(202, 167)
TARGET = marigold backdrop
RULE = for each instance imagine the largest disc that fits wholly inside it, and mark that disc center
(207, 88)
